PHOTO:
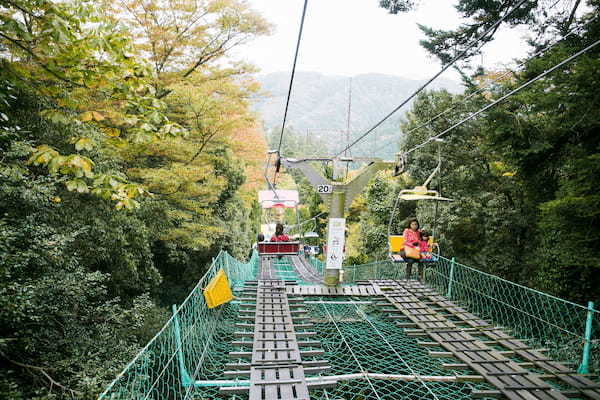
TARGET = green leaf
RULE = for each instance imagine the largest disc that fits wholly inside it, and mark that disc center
(147, 127)
(84, 144)
(71, 185)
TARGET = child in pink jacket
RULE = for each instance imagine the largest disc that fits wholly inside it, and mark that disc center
(424, 246)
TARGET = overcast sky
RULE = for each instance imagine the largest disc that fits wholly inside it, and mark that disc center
(350, 37)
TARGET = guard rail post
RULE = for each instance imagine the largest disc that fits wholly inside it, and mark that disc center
(451, 278)
(585, 359)
(185, 377)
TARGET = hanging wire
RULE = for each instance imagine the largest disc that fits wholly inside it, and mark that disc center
(439, 190)
(490, 83)
(287, 103)
(392, 215)
(270, 186)
(512, 92)
(492, 29)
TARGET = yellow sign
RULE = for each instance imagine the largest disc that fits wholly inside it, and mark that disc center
(217, 291)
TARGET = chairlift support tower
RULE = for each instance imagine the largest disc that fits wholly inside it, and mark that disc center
(337, 200)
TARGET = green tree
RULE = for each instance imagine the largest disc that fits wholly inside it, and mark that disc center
(76, 273)
(183, 37)
(515, 171)
(84, 66)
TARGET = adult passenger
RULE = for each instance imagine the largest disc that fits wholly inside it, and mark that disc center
(279, 236)
(410, 251)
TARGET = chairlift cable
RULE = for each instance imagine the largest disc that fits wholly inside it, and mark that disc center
(490, 83)
(491, 29)
(287, 103)
(512, 92)
(523, 86)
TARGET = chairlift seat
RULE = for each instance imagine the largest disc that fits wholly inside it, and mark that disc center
(396, 243)
(421, 193)
(278, 248)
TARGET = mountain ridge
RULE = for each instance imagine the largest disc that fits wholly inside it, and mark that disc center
(319, 105)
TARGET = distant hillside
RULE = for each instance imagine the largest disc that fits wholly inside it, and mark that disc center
(319, 105)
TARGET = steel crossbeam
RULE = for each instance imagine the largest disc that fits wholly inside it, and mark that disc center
(319, 290)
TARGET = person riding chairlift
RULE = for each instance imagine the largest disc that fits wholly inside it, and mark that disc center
(279, 236)
(412, 239)
(424, 246)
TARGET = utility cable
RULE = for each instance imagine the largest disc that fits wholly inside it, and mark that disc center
(512, 92)
(287, 103)
(490, 83)
(492, 28)
(289, 94)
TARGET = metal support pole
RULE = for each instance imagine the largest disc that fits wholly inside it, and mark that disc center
(185, 377)
(449, 292)
(340, 197)
(332, 276)
(585, 360)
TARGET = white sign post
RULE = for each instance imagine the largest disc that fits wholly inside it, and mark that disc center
(335, 243)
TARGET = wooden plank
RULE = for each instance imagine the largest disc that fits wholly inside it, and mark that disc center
(270, 391)
(285, 390)
(276, 370)
(474, 354)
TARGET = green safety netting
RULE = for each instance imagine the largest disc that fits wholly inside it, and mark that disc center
(357, 337)
(284, 270)
(317, 264)
(189, 344)
(187, 358)
(545, 321)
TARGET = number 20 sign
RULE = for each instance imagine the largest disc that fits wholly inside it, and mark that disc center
(324, 189)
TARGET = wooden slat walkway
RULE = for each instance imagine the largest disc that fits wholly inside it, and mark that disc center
(537, 359)
(321, 290)
(429, 313)
(276, 369)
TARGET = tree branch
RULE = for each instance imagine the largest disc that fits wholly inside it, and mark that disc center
(20, 8)
(571, 17)
(43, 372)
(39, 62)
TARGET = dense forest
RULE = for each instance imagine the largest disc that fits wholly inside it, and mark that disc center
(130, 155)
